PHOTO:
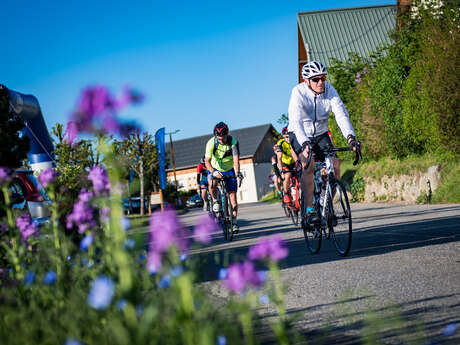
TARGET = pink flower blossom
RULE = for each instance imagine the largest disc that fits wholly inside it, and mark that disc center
(272, 248)
(166, 230)
(203, 230)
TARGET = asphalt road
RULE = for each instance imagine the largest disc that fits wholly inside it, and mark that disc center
(404, 263)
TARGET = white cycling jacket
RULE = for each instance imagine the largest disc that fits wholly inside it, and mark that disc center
(309, 113)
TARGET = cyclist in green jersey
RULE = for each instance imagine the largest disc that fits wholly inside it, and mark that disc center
(222, 159)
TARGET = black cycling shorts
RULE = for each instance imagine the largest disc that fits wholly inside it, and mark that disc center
(317, 143)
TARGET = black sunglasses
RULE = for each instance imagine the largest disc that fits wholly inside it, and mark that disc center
(317, 79)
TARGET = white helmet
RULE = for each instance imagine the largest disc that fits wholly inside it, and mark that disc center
(312, 69)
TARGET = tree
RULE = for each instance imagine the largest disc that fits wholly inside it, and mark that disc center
(139, 152)
(72, 162)
(13, 145)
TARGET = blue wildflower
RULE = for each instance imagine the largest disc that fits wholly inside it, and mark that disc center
(262, 276)
(29, 278)
(221, 340)
(449, 329)
(223, 272)
(141, 258)
(101, 292)
(164, 282)
(264, 299)
(50, 278)
(176, 271)
(121, 304)
(125, 224)
(72, 341)
(129, 244)
(139, 310)
(86, 242)
(183, 256)
(69, 258)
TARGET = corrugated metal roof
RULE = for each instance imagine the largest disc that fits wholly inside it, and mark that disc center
(334, 33)
(188, 152)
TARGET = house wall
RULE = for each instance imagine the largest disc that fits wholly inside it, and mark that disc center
(261, 173)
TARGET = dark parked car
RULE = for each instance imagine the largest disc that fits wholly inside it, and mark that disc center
(135, 206)
(194, 201)
(27, 194)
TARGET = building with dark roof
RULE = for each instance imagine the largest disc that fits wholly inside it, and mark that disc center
(323, 35)
(256, 148)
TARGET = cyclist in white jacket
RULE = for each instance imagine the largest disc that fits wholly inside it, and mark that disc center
(309, 108)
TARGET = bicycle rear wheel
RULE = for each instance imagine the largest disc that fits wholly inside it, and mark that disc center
(339, 220)
(285, 207)
(294, 216)
(312, 233)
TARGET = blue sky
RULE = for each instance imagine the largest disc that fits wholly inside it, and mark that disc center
(197, 62)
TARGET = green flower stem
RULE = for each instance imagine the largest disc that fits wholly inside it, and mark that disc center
(55, 224)
(116, 233)
(14, 252)
(245, 317)
(279, 327)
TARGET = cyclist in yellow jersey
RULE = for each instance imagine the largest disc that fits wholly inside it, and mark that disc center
(222, 159)
(286, 162)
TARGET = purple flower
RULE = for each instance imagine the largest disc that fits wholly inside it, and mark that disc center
(82, 213)
(86, 242)
(5, 175)
(50, 277)
(358, 77)
(47, 176)
(153, 262)
(165, 231)
(104, 213)
(240, 276)
(269, 247)
(96, 110)
(98, 176)
(3, 228)
(101, 293)
(127, 96)
(204, 228)
(71, 132)
(26, 227)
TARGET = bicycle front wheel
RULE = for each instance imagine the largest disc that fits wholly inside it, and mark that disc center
(312, 233)
(339, 219)
(295, 216)
(229, 218)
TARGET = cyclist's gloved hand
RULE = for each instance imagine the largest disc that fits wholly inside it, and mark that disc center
(240, 175)
(216, 173)
(306, 146)
(353, 142)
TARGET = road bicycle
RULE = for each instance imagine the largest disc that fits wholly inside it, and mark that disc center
(225, 215)
(330, 201)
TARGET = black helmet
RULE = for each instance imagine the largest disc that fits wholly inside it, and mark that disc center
(202, 160)
(220, 129)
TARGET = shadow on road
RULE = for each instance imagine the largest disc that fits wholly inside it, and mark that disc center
(367, 241)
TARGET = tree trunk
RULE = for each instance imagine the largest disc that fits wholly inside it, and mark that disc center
(141, 180)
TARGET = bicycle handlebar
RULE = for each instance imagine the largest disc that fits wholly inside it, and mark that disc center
(332, 149)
